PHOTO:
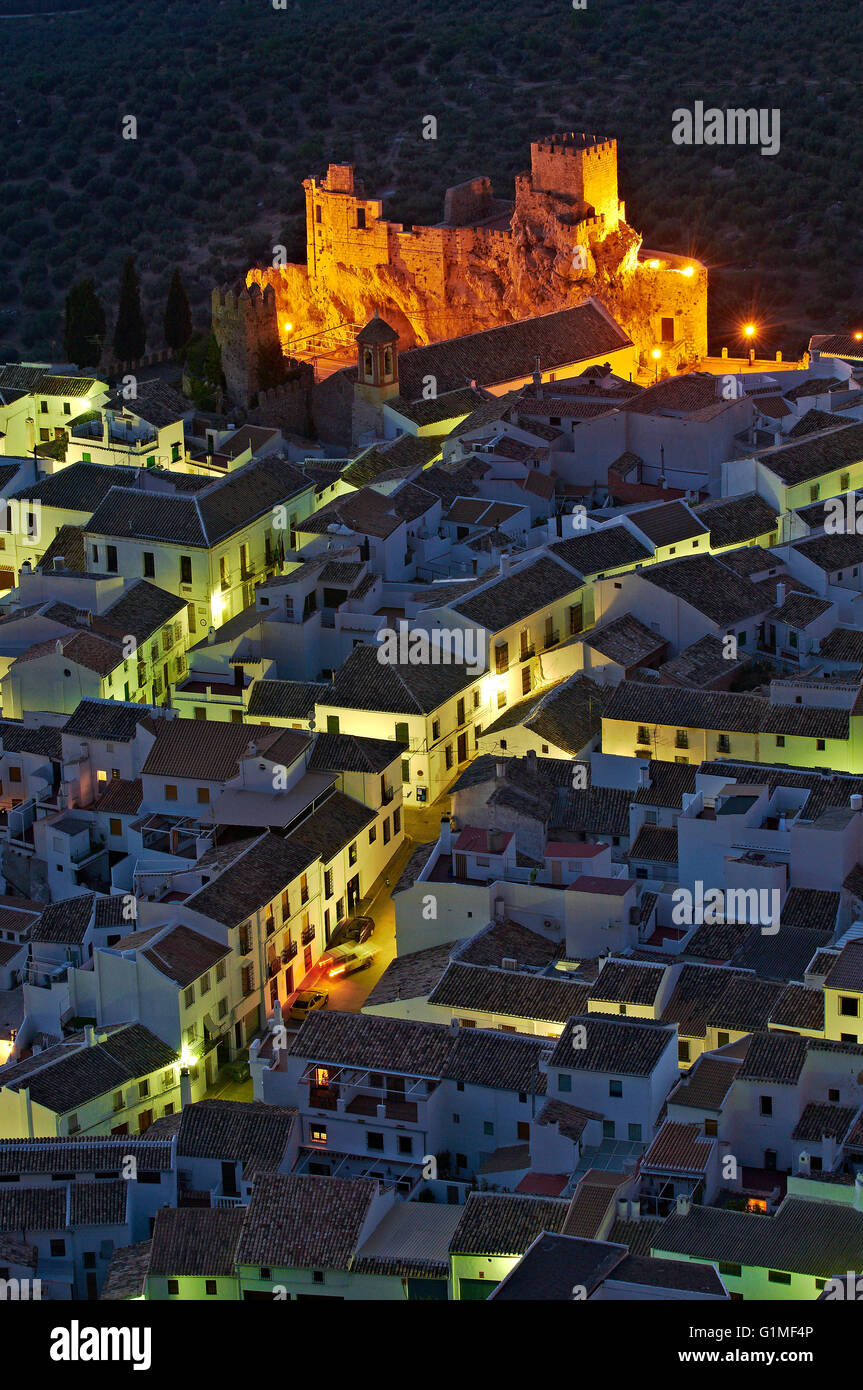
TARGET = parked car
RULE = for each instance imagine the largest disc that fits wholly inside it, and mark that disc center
(306, 1000)
(347, 959)
(357, 929)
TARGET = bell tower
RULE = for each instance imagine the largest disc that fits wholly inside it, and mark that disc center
(377, 360)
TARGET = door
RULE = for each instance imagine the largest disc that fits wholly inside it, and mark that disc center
(461, 866)
(145, 1119)
(770, 1160)
(229, 1180)
(556, 873)
(462, 748)
(353, 893)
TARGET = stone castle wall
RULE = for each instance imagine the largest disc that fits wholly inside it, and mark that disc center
(566, 240)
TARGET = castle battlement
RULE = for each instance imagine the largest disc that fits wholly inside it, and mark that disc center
(576, 142)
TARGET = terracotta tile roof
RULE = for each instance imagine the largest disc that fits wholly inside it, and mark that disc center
(198, 1241)
(774, 1057)
(707, 585)
(33, 1209)
(261, 871)
(847, 973)
(272, 699)
(568, 715)
(832, 552)
(351, 753)
(210, 750)
(87, 1154)
(508, 940)
(625, 640)
(112, 721)
(65, 921)
(592, 1200)
(63, 1078)
(365, 682)
(594, 552)
(695, 997)
(679, 1148)
(817, 455)
(412, 976)
(843, 644)
(618, 1045)
(655, 843)
(625, 982)
(707, 1083)
(571, 1120)
(299, 1222)
(511, 993)
(818, 1121)
(798, 1007)
(815, 1238)
(505, 1223)
(127, 1272)
(501, 1061)
(246, 1132)
(518, 594)
(509, 352)
(121, 797)
(733, 520)
(668, 523)
(813, 908)
(333, 826)
(184, 955)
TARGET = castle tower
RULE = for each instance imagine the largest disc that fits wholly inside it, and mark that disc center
(246, 327)
(579, 167)
(377, 360)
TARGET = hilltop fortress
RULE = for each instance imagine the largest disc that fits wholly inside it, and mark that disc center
(489, 262)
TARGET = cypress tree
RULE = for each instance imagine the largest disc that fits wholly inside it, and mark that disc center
(130, 333)
(178, 315)
(84, 326)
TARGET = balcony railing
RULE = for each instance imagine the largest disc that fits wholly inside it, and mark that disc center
(289, 952)
(551, 639)
(308, 936)
(527, 652)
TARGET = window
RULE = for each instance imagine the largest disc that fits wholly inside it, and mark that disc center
(820, 744)
(143, 1089)
(387, 831)
(765, 1105)
(117, 1101)
(564, 1081)
(722, 1039)
(683, 1052)
(328, 883)
(776, 1276)
(14, 774)
(401, 733)
(375, 1142)
(608, 1129)
(487, 1127)
(848, 1037)
(373, 834)
(173, 1287)
(211, 1287)
(58, 1248)
(111, 558)
(185, 569)
(397, 820)
(634, 1132)
(189, 996)
(220, 970)
(170, 792)
(667, 330)
(406, 1144)
(726, 1268)
(149, 565)
(723, 744)
(844, 482)
(352, 853)
(780, 740)
(833, 1096)
(318, 1134)
(456, 1119)
(615, 1088)
(205, 983)
(643, 734)
(203, 796)
(849, 1007)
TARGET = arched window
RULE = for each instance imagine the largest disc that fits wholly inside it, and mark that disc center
(388, 362)
(367, 363)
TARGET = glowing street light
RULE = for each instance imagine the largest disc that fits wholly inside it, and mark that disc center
(858, 336)
(688, 270)
(749, 330)
(656, 354)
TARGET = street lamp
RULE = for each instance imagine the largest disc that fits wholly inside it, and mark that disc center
(656, 354)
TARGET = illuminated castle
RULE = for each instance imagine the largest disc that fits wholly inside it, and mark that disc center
(563, 238)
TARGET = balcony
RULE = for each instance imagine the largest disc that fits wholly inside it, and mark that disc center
(527, 652)
(308, 936)
(387, 795)
(551, 639)
(289, 952)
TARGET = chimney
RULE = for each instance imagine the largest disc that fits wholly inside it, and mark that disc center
(495, 841)
(635, 1209)
(537, 378)
(684, 1204)
(805, 1165)
(211, 636)
(59, 562)
(622, 1208)
(454, 1026)
(445, 834)
(90, 1035)
(500, 768)
(857, 802)
(781, 590)
(185, 1088)
(530, 759)
(644, 777)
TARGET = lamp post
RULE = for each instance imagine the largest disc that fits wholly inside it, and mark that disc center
(656, 354)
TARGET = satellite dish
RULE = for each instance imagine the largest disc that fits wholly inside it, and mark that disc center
(312, 724)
